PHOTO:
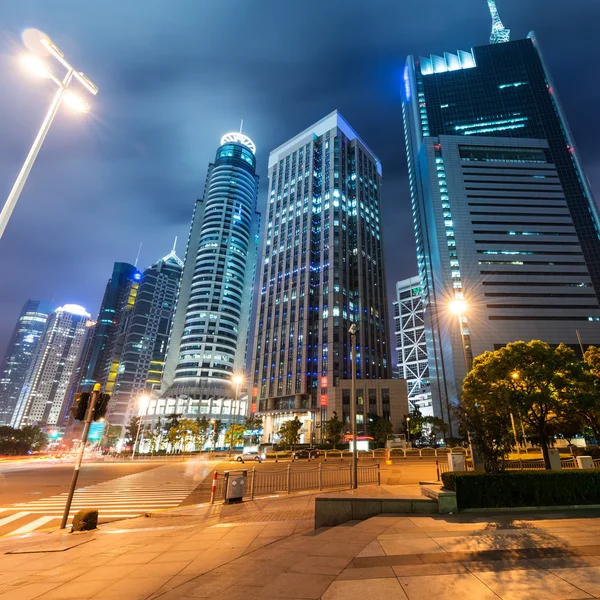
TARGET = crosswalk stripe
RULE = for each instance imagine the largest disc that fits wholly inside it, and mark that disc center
(12, 518)
(33, 525)
(124, 497)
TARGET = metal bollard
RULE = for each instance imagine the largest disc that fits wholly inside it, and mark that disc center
(213, 489)
(289, 479)
(320, 476)
(252, 483)
(378, 474)
(437, 468)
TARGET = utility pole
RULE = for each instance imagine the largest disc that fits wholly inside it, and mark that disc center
(352, 332)
(84, 437)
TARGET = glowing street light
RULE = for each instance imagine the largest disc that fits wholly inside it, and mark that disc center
(237, 380)
(458, 306)
(35, 65)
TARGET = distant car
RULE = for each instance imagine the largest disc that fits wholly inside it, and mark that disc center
(306, 453)
(244, 456)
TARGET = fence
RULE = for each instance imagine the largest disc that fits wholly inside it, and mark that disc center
(518, 465)
(260, 483)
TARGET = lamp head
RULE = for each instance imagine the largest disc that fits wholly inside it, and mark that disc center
(36, 66)
(77, 103)
(458, 306)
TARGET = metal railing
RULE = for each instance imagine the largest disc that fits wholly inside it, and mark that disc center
(519, 465)
(288, 480)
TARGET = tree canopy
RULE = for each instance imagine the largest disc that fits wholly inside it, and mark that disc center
(533, 380)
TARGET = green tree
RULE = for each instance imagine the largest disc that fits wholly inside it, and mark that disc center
(589, 391)
(332, 430)
(131, 430)
(379, 429)
(416, 424)
(188, 429)
(34, 437)
(234, 436)
(15, 442)
(289, 432)
(201, 433)
(436, 427)
(156, 435)
(532, 379)
(485, 420)
(218, 426)
(254, 423)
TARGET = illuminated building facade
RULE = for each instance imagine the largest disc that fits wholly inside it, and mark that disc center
(119, 297)
(209, 338)
(19, 353)
(141, 343)
(504, 218)
(45, 388)
(322, 271)
(411, 345)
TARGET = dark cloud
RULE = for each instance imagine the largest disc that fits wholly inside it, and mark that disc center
(174, 76)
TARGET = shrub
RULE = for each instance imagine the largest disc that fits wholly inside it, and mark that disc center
(524, 488)
(85, 519)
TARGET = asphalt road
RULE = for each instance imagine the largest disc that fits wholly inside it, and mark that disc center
(26, 481)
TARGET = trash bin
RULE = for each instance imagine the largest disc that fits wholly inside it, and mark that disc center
(235, 486)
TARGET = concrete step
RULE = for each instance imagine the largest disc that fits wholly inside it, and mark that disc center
(331, 511)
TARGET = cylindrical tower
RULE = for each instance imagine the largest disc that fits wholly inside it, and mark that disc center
(209, 338)
(214, 318)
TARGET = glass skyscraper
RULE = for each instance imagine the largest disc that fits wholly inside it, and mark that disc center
(209, 338)
(19, 353)
(46, 385)
(119, 296)
(141, 344)
(506, 225)
(322, 271)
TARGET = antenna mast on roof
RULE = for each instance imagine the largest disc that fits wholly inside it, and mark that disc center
(499, 33)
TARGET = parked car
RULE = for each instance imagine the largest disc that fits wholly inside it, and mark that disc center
(244, 456)
(306, 453)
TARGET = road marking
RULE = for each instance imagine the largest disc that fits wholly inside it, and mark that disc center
(33, 525)
(12, 518)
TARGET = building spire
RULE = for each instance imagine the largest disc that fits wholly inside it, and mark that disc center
(174, 244)
(499, 33)
(241, 125)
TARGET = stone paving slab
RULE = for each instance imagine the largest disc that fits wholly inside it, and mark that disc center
(267, 549)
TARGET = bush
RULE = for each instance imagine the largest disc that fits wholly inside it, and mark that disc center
(85, 520)
(524, 488)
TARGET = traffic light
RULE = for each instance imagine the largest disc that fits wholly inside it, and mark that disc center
(101, 406)
(80, 405)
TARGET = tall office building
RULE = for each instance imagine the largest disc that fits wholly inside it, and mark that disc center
(411, 345)
(506, 225)
(142, 340)
(209, 337)
(322, 272)
(19, 353)
(119, 297)
(45, 388)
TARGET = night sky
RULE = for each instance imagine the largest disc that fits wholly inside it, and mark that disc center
(175, 75)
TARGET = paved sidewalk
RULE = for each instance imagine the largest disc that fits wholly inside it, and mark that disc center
(267, 549)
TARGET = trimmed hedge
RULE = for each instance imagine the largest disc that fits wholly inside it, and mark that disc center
(523, 488)
(85, 520)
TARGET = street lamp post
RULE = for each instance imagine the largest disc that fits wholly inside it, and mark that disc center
(353, 329)
(144, 400)
(76, 102)
(408, 429)
(459, 307)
